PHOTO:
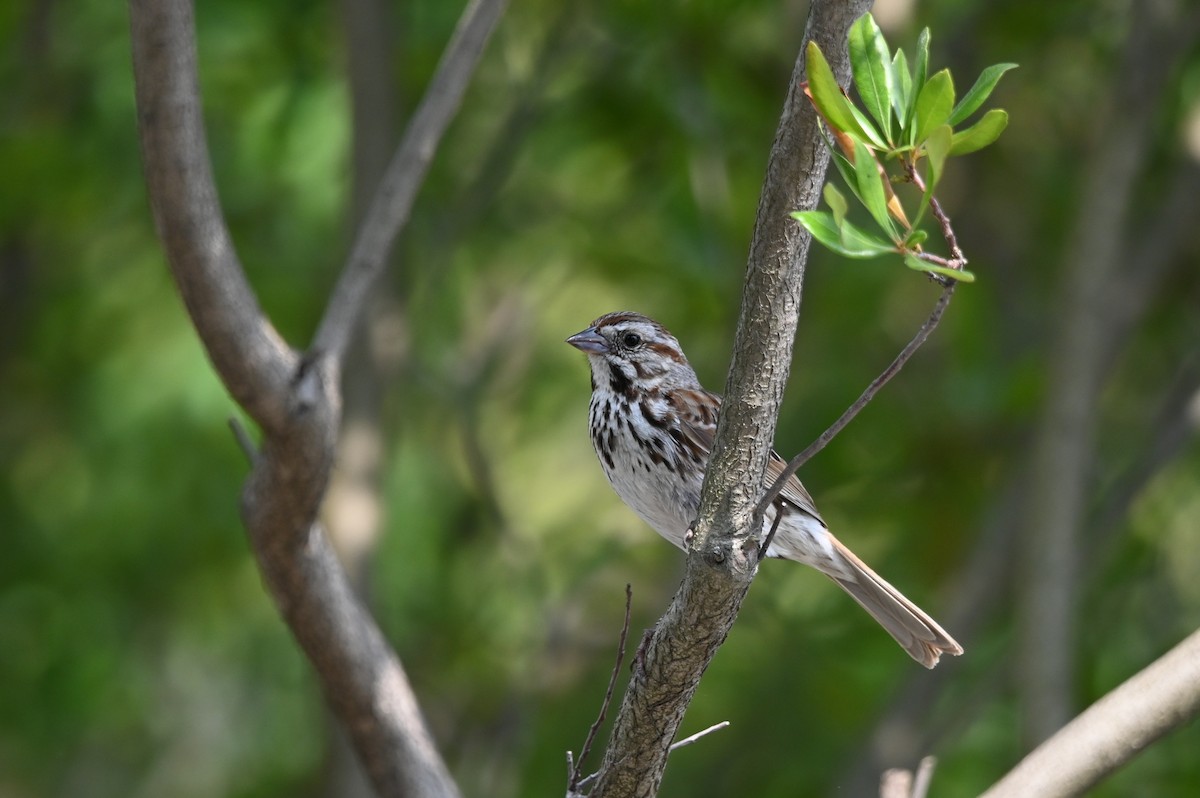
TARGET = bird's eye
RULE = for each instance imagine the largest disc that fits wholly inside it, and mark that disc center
(631, 339)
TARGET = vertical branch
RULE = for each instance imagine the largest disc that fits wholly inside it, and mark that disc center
(398, 191)
(1063, 450)
(722, 560)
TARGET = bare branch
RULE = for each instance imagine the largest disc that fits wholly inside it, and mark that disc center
(250, 357)
(722, 558)
(1060, 467)
(1157, 700)
(956, 261)
(924, 777)
(863, 400)
(896, 783)
(901, 783)
(574, 782)
(698, 735)
(295, 400)
(393, 202)
(361, 676)
(1172, 430)
(244, 441)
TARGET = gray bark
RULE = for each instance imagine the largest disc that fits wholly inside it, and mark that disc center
(295, 397)
(1114, 730)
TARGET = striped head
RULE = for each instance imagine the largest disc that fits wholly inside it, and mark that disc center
(631, 353)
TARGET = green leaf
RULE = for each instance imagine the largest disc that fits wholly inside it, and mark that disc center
(919, 72)
(978, 93)
(869, 61)
(870, 187)
(915, 263)
(980, 134)
(921, 65)
(901, 88)
(836, 202)
(937, 148)
(846, 239)
(826, 93)
(916, 238)
(867, 244)
(934, 104)
(867, 127)
(846, 170)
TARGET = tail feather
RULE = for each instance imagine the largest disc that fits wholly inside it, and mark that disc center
(917, 633)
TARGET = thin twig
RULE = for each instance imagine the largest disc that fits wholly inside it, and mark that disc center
(680, 744)
(766, 544)
(608, 694)
(397, 192)
(938, 260)
(584, 782)
(901, 783)
(693, 738)
(956, 261)
(896, 783)
(853, 410)
(956, 253)
(924, 777)
(244, 441)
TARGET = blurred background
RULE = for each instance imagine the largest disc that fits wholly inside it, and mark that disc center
(1032, 478)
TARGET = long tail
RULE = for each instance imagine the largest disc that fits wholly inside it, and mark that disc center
(916, 632)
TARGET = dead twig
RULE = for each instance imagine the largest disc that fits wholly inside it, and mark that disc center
(575, 782)
(901, 783)
(863, 400)
(693, 738)
(956, 261)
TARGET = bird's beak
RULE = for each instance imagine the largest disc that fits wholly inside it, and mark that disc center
(589, 341)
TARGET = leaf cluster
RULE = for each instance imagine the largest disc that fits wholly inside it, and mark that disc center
(908, 125)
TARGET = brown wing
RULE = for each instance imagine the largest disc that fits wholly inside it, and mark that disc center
(793, 493)
(697, 412)
(698, 422)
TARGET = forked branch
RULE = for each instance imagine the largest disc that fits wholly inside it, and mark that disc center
(294, 398)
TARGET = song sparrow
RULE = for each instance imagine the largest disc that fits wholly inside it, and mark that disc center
(652, 426)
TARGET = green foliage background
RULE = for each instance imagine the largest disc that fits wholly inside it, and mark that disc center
(139, 654)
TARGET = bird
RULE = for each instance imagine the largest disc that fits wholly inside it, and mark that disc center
(652, 426)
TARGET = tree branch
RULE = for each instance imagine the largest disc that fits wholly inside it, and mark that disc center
(295, 400)
(573, 782)
(722, 560)
(863, 400)
(251, 358)
(691, 738)
(360, 675)
(1062, 453)
(397, 192)
(1155, 701)
(900, 783)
